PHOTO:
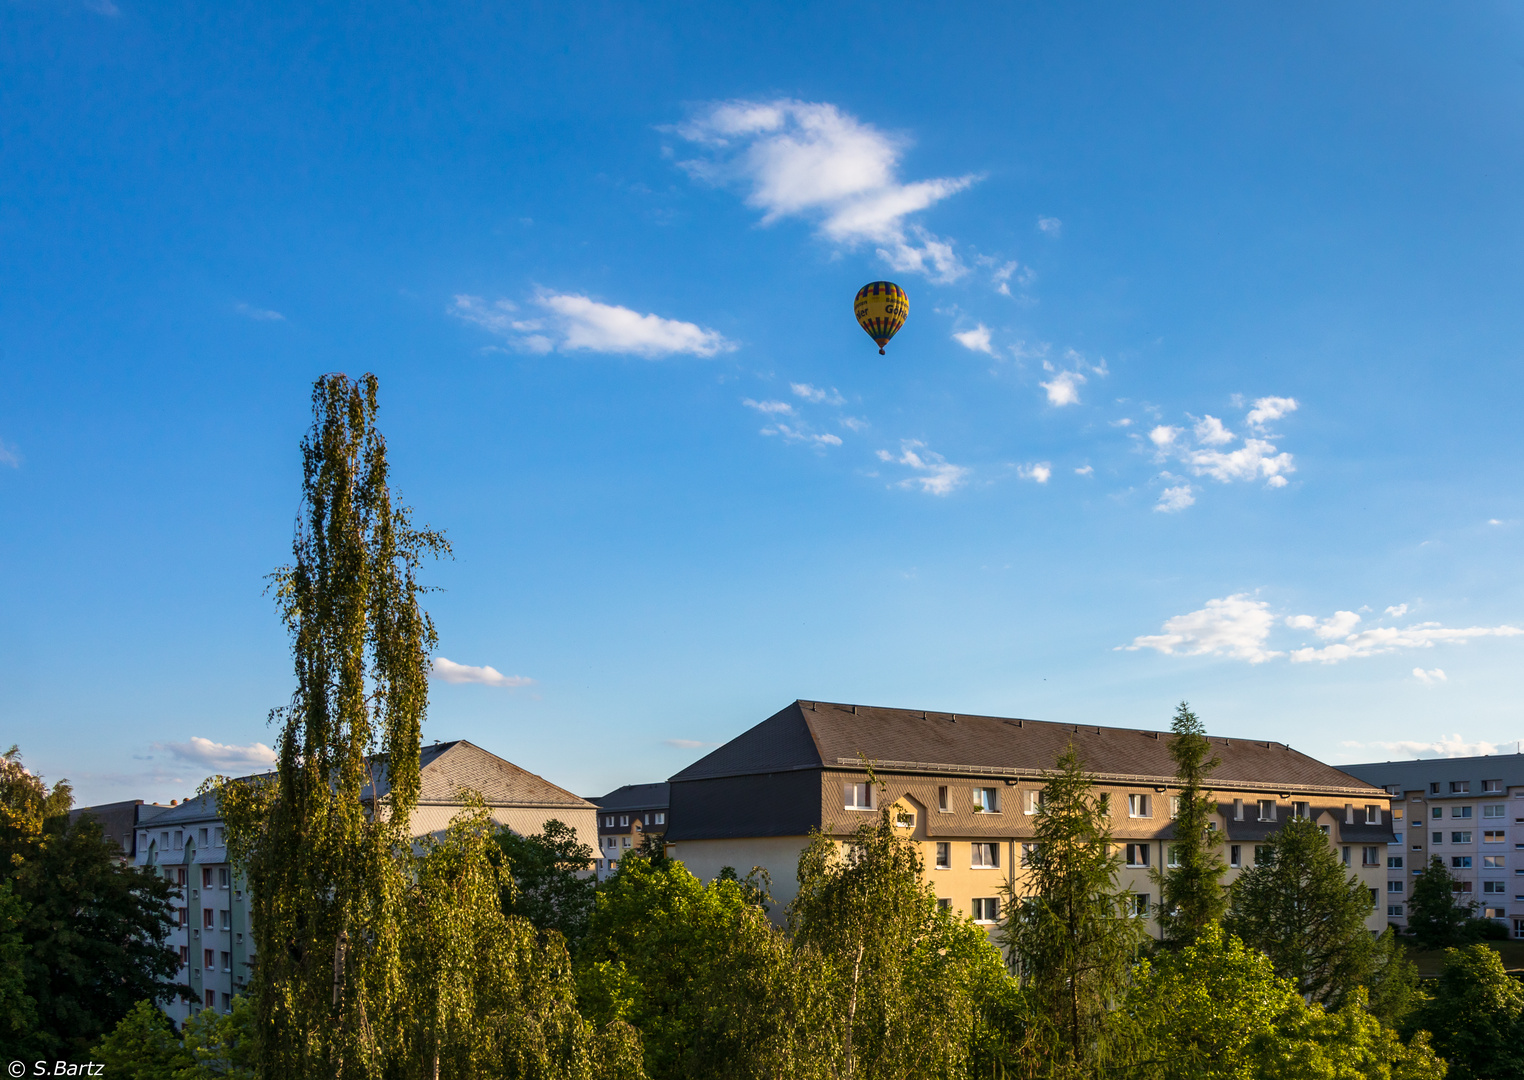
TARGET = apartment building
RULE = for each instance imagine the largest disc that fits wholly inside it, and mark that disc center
(967, 789)
(1467, 811)
(626, 816)
(119, 822)
(187, 844)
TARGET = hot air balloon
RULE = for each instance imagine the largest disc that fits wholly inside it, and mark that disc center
(881, 308)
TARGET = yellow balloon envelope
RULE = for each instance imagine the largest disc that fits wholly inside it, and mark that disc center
(881, 309)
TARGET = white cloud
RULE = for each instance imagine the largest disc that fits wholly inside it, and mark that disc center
(1164, 436)
(1385, 639)
(1050, 225)
(854, 423)
(1397, 611)
(816, 395)
(1493, 521)
(215, 755)
(1430, 677)
(770, 408)
(1209, 430)
(937, 475)
(1084, 470)
(1447, 746)
(572, 321)
(1235, 626)
(798, 434)
(1174, 499)
(811, 160)
(451, 672)
(1063, 388)
(258, 314)
(1254, 458)
(688, 744)
(9, 455)
(1341, 624)
(1267, 409)
(1040, 472)
(977, 339)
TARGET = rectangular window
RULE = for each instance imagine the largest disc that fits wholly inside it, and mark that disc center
(1494, 887)
(986, 801)
(227, 920)
(1439, 812)
(1433, 789)
(211, 999)
(1344, 854)
(944, 855)
(987, 909)
(1238, 809)
(1174, 855)
(1372, 814)
(1439, 838)
(1034, 801)
(1174, 806)
(1300, 810)
(206, 959)
(1267, 809)
(206, 877)
(1140, 806)
(185, 916)
(1460, 811)
(1492, 862)
(1370, 856)
(203, 838)
(1492, 787)
(1460, 787)
(986, 856)
(1493, 913)
(1394, 886)
(904, 818)
(222, 878)
(944, 905)
(1028, 853)
(1460, 886)
(179, 840)
(1393, 789)
(857, 796)
(1137, 854)
(1262, 854)
(624, 821)
(1394, 910)
(227, 962)
(942, 798)
(1394, 862)
(661, 817)
(624, 841)
(1494, 810)
(1492, 836)
(1396, 838)
(220, 838)
(1349, 814)
(1460, 838)
(1140, 904)
(1235, 855)
(1460, 862)
(207, 915)
(227, 1002)
(608, 822)
(184, 955)
(180, 876)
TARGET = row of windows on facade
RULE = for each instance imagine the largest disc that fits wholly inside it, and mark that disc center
(215, 833)
(655, 817)
(987, 800)
(1492, 811)
(1457, 787)
(984, 855)
(1458, 862)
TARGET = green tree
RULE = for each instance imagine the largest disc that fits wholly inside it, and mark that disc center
(1435, 916)
(1312, 1043)
(552, 886)
(18, 1012)
(1191, 896)
(89, 932)
(142, 1046)
(221, 1046)
(908, 980)
(1474, 1016)
(1072, 934)
(1300, 908)
(715, 989)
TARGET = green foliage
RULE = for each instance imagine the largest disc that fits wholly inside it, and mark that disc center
(1474, 1016)
(1435, 916)
(1073, 934)
(1393, 984)
(142, 1046)
(1307, 914)
(87, 932)
(221, 1045)
(909, 982)
(552, 888)
(1191, 896)
(1311, 1043)
(714, 989)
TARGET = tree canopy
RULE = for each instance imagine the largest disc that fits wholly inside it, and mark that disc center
(1191, 896)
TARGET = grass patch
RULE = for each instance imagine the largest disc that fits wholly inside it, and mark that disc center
(1429, 961)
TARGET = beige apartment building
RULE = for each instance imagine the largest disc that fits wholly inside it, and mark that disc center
(966, 789)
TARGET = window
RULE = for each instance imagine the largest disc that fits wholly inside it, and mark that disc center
(211, 999)
(1433, 789)
(942, 802)
(986, 801)
(1394, 910)
(227, 1002)
(1491, 787)
(1344, 854)
(1375, 898)
(180, 876)
(857, 796)
(1460, 862)
(227, 920)
(1174, 806)
(184, 955)
(1140, 904)
(1439, 811)
(1349, 814)
(608, 822)
(1494, 810)
(1492, 836)
(1393, 789)
(1494, 887)
(1267, 809)
(1460, 811)
(1396, 813)
(1439, 838)
(1518, 928)
(661, 817)
(1028, 853)
(1460, 787)
(944, 905)
(185, 916)
(222, 878)
(1325, 830)
(1137, 854)
(1394, 886)
(624, 819)
(203, 837)
(1460, 838)
(1140, 806)
(179, 840)
(1300, 810)
(1238, 809)
(207, 959)
(221, 837)
(904, 818)
(1493, 913)
(1034, 802)
(1394, 862)
(1396, 837)
(206, 877)
(227, 962)
(944, 855)
(1235, 855)
(987, 909)
(207, 915)
(1370, 856)
(1174, 855)
(624, 841)
(1262, 855)
(1492, 862)
(1372, 814)
(986, 856)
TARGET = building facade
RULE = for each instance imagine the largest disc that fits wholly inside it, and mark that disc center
(967, 789)
(213, 933)
(119, 822)
(626, 816)
(1468, 812)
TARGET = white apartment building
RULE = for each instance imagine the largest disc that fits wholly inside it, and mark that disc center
(1467, 811)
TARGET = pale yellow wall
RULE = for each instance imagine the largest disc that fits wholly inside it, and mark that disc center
(779, 855)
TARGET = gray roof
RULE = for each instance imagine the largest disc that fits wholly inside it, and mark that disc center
(1418, 774)
(449, 767)
(826, 735)
(634, 797)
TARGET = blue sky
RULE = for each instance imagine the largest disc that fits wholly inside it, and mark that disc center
(1210, 387)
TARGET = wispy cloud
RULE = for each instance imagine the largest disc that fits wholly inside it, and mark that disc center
(1201, 448)
(1085, 470)
(934, 474)
(1447, 746)
(770, 408)
(451, 672)
(1430, 677)
(1040, 472)
(258, 314)
(220, 756)
(1386, 639)
(1267, 409)
(800, 433)
(9, 455)
(571, 321)
(1235, 626)
(1176, 498)
(1050, 225)
(976, 340)
(688, 744)
(816, 395)
(811, 160)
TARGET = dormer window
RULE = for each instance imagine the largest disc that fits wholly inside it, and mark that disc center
(857, 796)
(1140, 806)
(904, 819)
(1300, 810)
(942, 798)
(1372, 814)
(986, 800)
(624, 820)
(1034, 801)
(1267, 809)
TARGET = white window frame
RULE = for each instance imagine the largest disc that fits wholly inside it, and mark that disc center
(1140, 806)
(1263, 803)
(852, 793)
(1131, 853)
(977, 852)
(986, 800)
(943, 855)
